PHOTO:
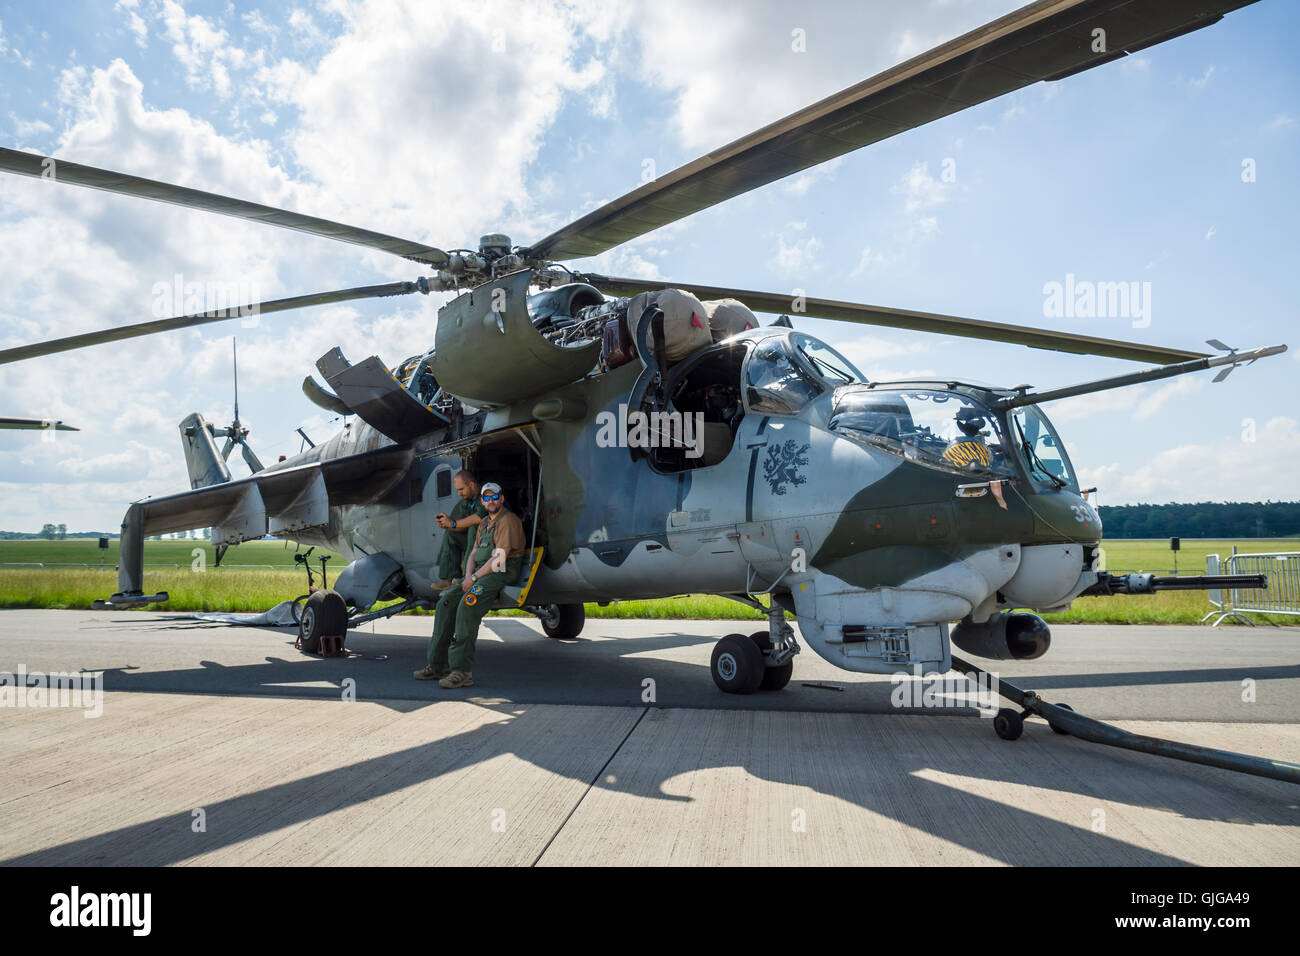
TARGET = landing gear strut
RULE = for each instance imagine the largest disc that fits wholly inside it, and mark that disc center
(1009, 724)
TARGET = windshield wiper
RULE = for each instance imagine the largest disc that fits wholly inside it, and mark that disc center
(838, 373)
(1033, 458)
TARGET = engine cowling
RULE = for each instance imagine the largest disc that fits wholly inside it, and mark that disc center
(487, 351)
(1004, 636)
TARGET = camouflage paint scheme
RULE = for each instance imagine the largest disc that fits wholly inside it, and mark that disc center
(841, 532)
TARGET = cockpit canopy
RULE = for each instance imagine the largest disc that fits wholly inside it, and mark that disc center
(952, 431)
(785, 372)
(941, 429)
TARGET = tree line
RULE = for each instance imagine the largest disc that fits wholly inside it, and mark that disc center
(1206, 519)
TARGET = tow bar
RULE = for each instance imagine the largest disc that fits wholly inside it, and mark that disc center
(1009, 725)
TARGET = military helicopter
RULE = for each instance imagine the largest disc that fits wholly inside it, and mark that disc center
(657, 439)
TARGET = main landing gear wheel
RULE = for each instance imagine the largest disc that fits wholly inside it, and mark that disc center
(1061, 730)
(1008, 724)
(774, 678)
(737, 665)
(324, 615)
(563, 621)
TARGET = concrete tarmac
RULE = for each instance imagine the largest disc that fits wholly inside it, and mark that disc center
(225, 745)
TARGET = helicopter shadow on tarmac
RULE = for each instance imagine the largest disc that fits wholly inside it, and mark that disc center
(914, 756)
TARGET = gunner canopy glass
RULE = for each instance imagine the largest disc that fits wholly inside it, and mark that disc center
(1040, 447)
(830, 365)
(938, 429)
(773, 384)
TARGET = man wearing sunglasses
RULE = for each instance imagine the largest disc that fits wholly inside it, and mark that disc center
(457, 526)
(495, 560)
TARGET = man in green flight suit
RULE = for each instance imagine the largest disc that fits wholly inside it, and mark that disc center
(495, 559)
(467, 513)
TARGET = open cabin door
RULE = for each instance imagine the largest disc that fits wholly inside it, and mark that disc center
(512, 458)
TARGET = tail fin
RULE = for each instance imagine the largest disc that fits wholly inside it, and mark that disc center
(201, 457)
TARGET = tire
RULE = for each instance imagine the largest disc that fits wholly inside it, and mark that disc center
(737, 665)
(774, 678)
(1008, 724)
(324, 615)
(1061, 730)
(564, 621)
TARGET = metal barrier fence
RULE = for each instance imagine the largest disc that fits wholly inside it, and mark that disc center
(1282, 596)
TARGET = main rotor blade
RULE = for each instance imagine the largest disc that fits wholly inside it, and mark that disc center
(58, 170)
(35, 423)
(906, 319)
(70, 342)
(1047, 40)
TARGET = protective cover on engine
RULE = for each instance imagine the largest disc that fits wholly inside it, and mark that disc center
(686, 322)
(729, 316)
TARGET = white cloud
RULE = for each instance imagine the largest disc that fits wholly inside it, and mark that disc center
(1204, 78)
(1209, 234)
(1282, 121)
(869, 350)
(697, 52)
(499, 98)
(258, 23)
(868, 260)
(134, 22)
(1136, 402)
(920, 190)
(1226, 470)
(78, 259)
(24, 129)
(202, 48)
(304, 27)
(796, 251)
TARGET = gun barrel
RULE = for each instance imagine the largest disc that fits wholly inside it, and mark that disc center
(1108, 584)
(1204, 582)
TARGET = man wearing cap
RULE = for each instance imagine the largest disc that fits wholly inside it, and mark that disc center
(457, 526)
(494, 561)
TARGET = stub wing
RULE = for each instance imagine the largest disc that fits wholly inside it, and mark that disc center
(279, 502)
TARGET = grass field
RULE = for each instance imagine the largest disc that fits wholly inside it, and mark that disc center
(260, 574)
(172, 551)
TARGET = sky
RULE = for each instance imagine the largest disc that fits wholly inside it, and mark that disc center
(1174, 169)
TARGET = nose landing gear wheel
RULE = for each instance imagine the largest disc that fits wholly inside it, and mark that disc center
(737, 665)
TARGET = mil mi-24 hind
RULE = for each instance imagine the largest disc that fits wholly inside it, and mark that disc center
(657, 439)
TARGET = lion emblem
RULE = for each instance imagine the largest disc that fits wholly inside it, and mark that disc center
(781, 467)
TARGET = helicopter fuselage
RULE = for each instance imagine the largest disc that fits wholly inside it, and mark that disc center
(859, 538)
